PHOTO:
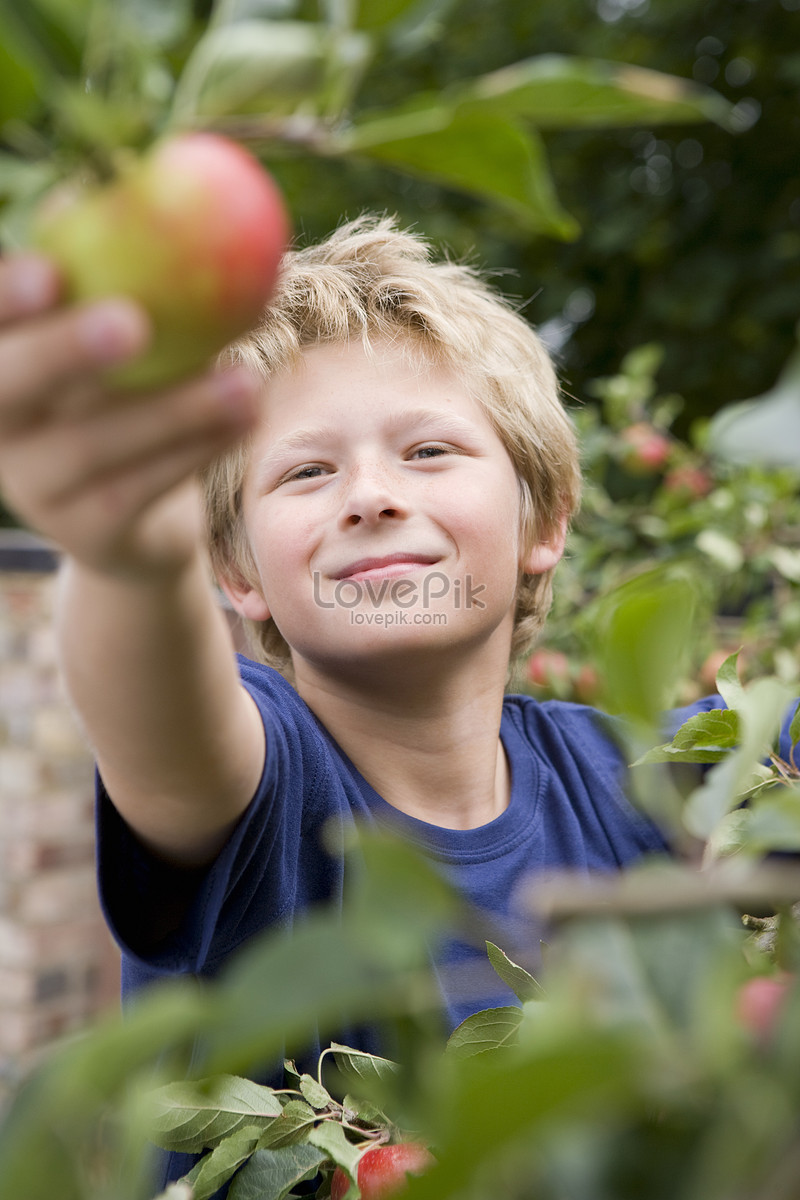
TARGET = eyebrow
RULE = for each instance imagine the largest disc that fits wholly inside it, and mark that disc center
(302, 439)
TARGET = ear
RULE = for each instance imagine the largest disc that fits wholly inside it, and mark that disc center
(542, 556)
(247, 601)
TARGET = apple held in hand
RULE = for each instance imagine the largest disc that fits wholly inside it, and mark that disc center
(194, 231)
(383, 1170)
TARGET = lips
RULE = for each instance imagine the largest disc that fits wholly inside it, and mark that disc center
(384, 564)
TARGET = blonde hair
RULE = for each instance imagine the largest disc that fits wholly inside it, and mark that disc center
(372, 281)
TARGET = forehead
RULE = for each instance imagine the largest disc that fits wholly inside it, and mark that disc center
(348, 383)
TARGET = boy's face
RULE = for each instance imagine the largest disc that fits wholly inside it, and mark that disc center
(382, 510)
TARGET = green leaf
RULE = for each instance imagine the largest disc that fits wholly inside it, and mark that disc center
(18, 87)
(271, 1174)
(670, 754)
(794, 728)
(330, 1137)
(489, 1029)
(761, 710)
(316, 1095)
(473, 150)
(641, 633)
(53, 1118)
(357, 1066)
(216, 1168)
(377, 16)
(252, 67)
(189, 1116)
(290, 1127)
(45, 36)
(717, 729)
(521, 982)
(153, 22)
(772, 821)
(484, 1105)
(369, 964)
(728, 683)
(559, 92)
(226, 11)
(764, 430)
(365, 1110)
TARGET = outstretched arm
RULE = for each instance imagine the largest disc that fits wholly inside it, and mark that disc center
(111, 479)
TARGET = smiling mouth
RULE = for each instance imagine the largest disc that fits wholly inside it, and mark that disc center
(390, 566)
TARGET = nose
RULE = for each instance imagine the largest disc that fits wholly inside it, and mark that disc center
(373, 494)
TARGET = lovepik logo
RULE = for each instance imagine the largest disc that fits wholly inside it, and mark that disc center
(403, 593)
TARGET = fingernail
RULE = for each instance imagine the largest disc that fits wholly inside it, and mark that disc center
(113, 331)
(33, 282)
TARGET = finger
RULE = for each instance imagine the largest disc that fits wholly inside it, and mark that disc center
(38, 358)
(67, 459)
(107, 510)
(29, 284)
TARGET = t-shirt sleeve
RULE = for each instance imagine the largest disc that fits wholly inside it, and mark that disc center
(173, 920)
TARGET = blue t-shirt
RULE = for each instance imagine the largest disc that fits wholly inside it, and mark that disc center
(568, 809)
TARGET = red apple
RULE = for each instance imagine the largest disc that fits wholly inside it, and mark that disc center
(644, 449)
(759, 1003)
(194, 231)
(382, 1170)
(587, 684)
(688, 481)
(548, 668)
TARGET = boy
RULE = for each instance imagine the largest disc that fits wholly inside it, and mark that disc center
(389, 479)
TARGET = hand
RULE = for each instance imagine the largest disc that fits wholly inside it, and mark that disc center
(106, 476)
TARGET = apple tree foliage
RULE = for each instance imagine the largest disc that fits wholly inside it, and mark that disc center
(626, 1071)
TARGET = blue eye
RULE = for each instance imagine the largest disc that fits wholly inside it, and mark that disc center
(302, 474)
(431, 451)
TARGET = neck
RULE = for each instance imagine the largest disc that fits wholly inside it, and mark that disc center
(428, 742)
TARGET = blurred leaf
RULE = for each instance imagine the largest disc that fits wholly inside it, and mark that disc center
(762, 709)
(521, 982)
(559, 92)
(794, 728)
(192, 1116)
(153, 22)
(376, 16)
(252, 66)
(242, 10)
(471, 149)
(488, 1029)
(764, 430)
(46, 36)
(18, 86)
(374, 961)
(641, 634)
(177, 1191)
(729, 685)
(271, 1174)
(772, 821)
(486, 1104)
(48, 1128)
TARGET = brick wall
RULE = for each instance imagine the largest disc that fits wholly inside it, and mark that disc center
(58, 966)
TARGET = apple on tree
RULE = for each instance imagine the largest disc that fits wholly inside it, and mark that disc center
(194, 230)
(383, 1170)
(645, 450)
